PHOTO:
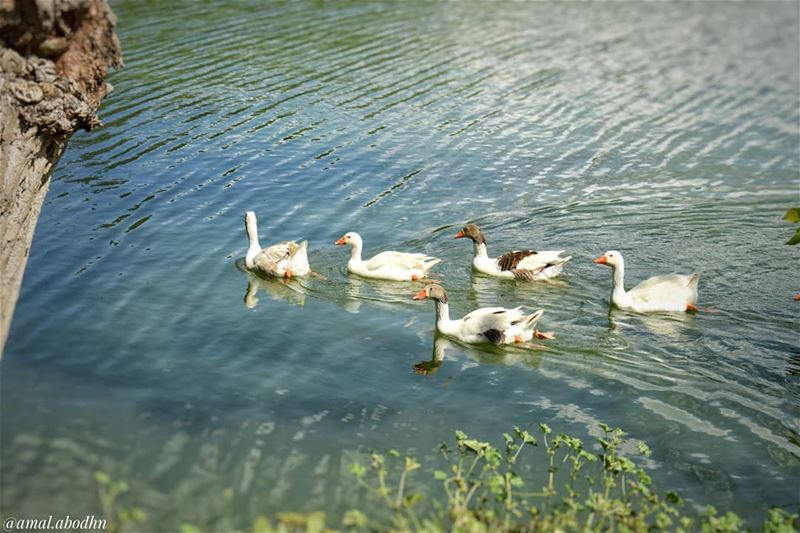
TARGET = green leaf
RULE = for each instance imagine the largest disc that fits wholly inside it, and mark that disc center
(394, 453)
(496, 484)
(663, 521)
(190, 528)
(261, 524)
(357, 470)
(438, 474)
(644, 449)
(315, 522)
(292, 521)
(673, 498)
(411, 464)
(355, 519)
(588, 456)
(795, 239)
(475, 445)
(792, 215)
(412, 499)
(102, 477)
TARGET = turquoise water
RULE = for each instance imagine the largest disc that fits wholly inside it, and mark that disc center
(669, 132)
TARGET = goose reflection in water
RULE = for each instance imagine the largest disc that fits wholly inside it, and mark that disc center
(290, 291)
(385, 293)
(667, 325)
(448, 349)
(484, 289)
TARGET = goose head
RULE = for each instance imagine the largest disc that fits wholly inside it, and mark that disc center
(351, 238)
(434, 292)
(473, 232)
(611, 258)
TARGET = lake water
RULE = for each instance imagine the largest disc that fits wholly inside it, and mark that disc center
(670, 132)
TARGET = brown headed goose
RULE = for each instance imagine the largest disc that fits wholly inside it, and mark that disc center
(673, 292)
(497, 325)
(520, 264)
(285, 259)
(396, 266)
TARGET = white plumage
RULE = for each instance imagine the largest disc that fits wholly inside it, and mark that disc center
(520, 264)
(671, 292)
(497, 325)
(395, 266)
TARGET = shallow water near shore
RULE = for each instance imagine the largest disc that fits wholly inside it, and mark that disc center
(141, 347)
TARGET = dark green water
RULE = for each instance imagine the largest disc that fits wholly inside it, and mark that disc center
(669, 132)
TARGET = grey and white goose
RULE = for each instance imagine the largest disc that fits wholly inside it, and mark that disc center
(528, 265)
(284, 259)
(497, 325)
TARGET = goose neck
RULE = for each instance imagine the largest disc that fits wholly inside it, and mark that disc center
(355, 251)
(442, 316)
(618, 288)
(254, 247)
(480, 250)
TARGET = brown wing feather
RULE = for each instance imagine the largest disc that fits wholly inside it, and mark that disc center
(510, 260)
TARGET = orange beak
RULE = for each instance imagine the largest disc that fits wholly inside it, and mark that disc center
(459, 235)
(339, 242)
(421, 295)
(601, 260)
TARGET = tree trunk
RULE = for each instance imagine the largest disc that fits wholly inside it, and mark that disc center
(54, 57)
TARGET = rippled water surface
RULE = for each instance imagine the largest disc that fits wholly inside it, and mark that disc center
(666, 131)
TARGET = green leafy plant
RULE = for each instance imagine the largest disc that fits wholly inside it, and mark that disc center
(481, 489)
(793, 215)
(584, 490)
(109, 491)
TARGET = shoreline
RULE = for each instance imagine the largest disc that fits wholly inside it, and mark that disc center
(53, 62)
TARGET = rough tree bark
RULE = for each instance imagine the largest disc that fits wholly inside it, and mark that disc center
(54, 57)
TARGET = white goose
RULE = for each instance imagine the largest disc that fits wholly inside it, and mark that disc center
(284, 259)
(395, 266)
(526, 265)
(673, 292)
(497, 325)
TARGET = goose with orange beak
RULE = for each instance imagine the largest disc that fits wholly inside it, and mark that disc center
(497, 325)
(528, 265)
(389, 265)
(672, 292)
